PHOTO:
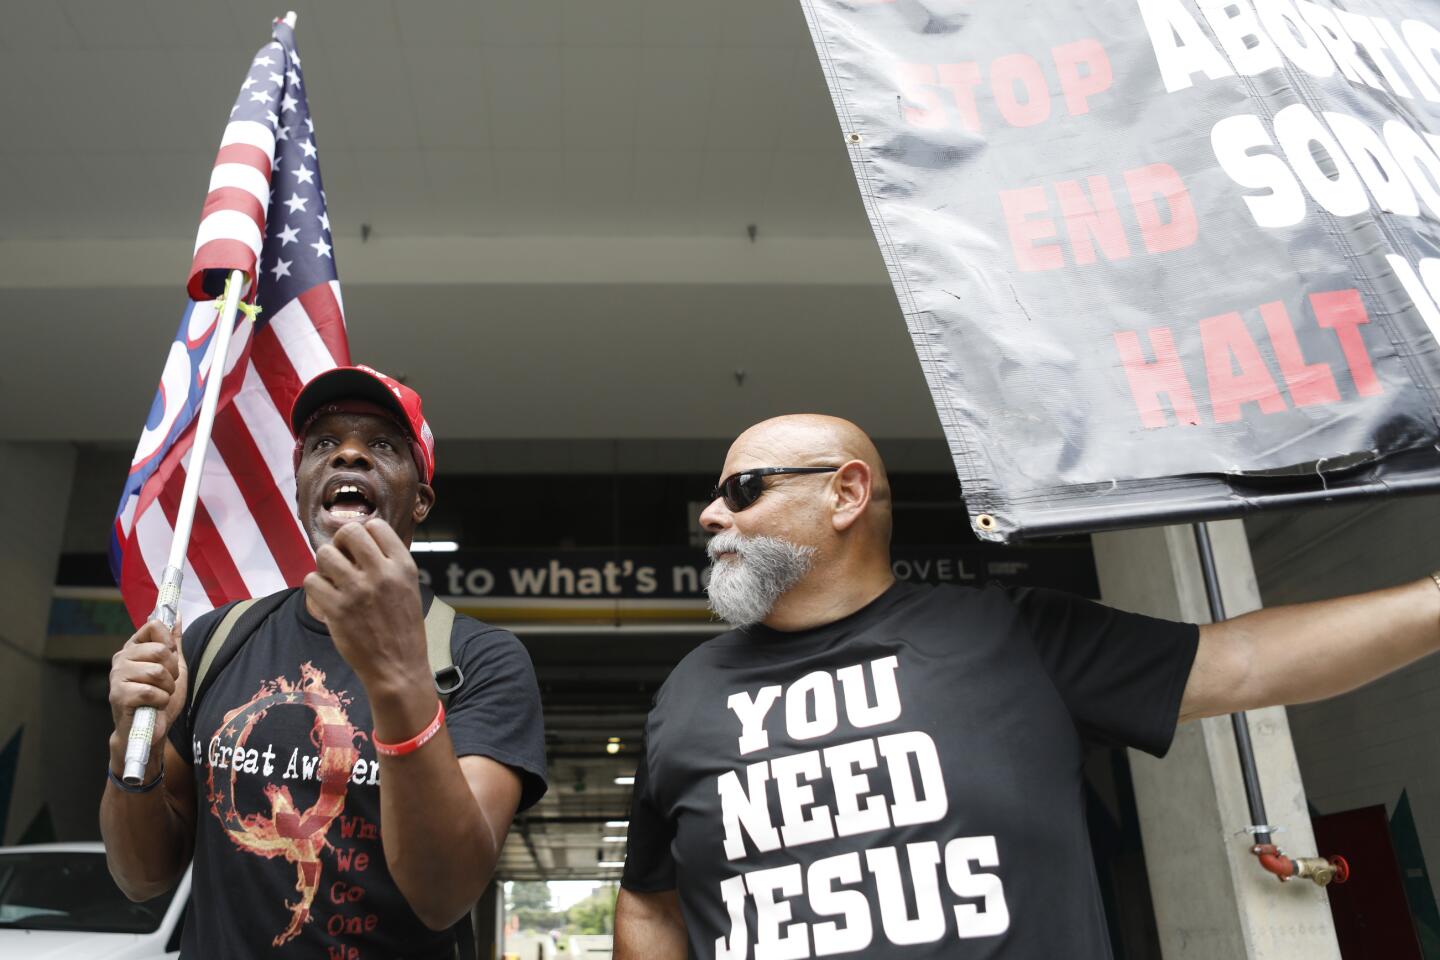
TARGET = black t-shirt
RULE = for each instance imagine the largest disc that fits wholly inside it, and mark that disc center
(288, 858)
(903, 783)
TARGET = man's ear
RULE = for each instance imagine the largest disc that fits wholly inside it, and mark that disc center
(424, 503)
(851, 491)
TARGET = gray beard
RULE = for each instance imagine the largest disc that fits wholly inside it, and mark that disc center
(744, 588)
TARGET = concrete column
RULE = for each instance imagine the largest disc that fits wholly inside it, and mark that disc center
(34, 499)
(1211, 897)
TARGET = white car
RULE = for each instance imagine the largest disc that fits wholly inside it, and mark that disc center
(58, 902)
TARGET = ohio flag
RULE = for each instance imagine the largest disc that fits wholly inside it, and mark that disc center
(265, 215)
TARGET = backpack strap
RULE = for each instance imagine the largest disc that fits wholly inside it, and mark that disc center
(439, 623)
(214, 642)
(239, 622)
(245, 617)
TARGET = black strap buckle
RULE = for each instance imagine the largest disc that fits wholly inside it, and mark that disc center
(448, 680)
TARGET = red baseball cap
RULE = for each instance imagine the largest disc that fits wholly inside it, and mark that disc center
(367, 384)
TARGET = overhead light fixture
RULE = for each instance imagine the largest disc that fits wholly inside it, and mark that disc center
(614, 839)
(434, 546)
(617, 823)
(611, 864)
(625, 781)
(612, 748)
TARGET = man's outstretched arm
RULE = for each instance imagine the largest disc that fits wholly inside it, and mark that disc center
(649, 926)
(1310, 651)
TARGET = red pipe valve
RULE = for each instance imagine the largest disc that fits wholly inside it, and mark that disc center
(1322, 870)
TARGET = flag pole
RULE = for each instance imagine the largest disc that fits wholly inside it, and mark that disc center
(167, 602)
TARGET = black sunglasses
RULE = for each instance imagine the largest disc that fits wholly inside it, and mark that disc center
(741, 490)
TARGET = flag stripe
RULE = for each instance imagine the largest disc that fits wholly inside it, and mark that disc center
(270, 432)
(324, 312)
(215, 570)
(276, 371)
(242, 153)
(238, 526)
(251, 133)
(238, 225)
(239, 176)
(301, 342)
(255, 483)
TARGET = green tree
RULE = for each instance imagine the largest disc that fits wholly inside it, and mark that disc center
(530, 895)
(596, 913)
(529, 901)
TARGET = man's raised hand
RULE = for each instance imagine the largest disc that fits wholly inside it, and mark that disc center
(365, 588)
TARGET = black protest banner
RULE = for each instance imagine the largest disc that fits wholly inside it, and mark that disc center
(1160, 259)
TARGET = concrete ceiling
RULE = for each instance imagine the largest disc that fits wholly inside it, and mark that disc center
(557, 194)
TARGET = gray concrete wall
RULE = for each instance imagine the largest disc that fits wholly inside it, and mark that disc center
(43, 732)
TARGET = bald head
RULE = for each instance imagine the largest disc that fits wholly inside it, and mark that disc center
(831, 528)
(812, 439)
(819, 439)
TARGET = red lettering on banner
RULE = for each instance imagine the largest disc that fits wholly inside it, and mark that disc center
(1164, 377)
(1344, 312)
(1235, 367)
(1093, 216)
(1226, 343)
(342, 953)
(1025, 231)
(1309, 384)
(961, 79)
(1011, 74)
(1018, 86)
(1162, 180)
(1080, 87)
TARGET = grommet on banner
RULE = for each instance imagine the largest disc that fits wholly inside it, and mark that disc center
(855, 138)
(985, 522)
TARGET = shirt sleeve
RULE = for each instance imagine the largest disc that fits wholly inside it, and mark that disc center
(192, 646)
(649, 864)
(496, 712)
(1122, 675)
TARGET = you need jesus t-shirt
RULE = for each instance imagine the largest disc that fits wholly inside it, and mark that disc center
(289, 859)
(904, 783)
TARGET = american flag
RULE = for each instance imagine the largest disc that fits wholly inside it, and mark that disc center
(264, 214)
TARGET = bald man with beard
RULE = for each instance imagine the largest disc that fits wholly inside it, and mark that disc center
(890, 770)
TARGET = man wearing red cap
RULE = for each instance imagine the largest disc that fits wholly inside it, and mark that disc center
(334, 801)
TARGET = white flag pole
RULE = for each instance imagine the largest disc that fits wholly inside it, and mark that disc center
(167, 603)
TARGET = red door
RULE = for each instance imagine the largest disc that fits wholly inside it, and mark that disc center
(1372, 917)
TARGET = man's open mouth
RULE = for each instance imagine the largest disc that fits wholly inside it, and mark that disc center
(345, 501)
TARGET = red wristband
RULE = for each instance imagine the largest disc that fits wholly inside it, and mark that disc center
(415, 742)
